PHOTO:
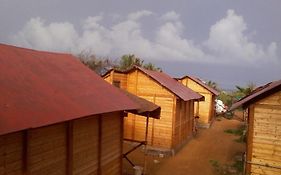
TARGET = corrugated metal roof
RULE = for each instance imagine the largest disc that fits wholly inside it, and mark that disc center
(42, 88)
(172, 85)
(200, 82)
(258, 94)
(166, 81)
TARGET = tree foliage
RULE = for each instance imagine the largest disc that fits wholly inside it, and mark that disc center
(243, 91)
(99, 65)
(232, 96)
(213, 85)
(151, 66)
(128, 61)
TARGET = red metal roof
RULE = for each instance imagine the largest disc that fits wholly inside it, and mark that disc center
(258, 94)
(172, 85)
(42, 88)
(200, 82)
(166, 81)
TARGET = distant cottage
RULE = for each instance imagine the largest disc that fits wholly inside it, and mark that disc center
(263, 153)
(174, 128)
(57, 116)
(206, 109)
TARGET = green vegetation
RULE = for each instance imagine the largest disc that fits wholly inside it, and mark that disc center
(126, 62)
(228, 98)
(235, 168)
(241, 131)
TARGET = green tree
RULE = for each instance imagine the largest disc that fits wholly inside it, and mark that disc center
(243, 91)
(151, 66)
(128, 61)
(212, 84)
(99, 65)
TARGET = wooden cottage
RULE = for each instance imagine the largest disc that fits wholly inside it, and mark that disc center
(57, 116)
(263, 153)
(206, 109)
(174, 128)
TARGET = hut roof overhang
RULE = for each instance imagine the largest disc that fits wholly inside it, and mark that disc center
(200, 82)
(40, 88)
(259, 93)
(146, 108)
(167, 82)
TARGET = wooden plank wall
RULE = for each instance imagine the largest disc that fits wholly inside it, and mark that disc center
(266, 138)
(205, 107)
(122, 78)
(11, 151)
(111, 144)
(160, 131)
(95, 146)
(85, 146)
(47, 150)
(183, 122)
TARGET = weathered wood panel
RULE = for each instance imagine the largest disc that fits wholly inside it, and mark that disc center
(47, 150)
(11, 154)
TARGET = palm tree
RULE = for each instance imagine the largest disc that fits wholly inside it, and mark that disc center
(128, 61)
(244, 91)
(212, 84)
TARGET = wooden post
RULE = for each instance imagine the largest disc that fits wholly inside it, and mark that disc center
(174, 113)
(250, 131)
(99, 143)
(197, 109)
(69, 148)
(25, 153)
(121, 142)
(145, 146)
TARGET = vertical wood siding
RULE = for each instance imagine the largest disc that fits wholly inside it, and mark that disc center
(85, 146)
(11, 154)
(47, 148)
(111, 144)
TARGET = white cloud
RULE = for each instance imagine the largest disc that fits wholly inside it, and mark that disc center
(172, 15)
(227, 42)
(137, 15)
(56, 36)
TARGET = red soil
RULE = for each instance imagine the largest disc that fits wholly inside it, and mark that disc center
(194, 158)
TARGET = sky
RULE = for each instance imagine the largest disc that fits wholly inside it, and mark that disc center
(229, 42)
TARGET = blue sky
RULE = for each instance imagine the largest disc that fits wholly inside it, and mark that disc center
(230, 42)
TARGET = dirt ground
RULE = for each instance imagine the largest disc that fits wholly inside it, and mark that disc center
(194, 158)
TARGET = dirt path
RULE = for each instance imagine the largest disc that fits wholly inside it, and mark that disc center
(194, 158)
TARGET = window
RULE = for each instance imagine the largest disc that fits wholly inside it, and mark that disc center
(116, 83)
